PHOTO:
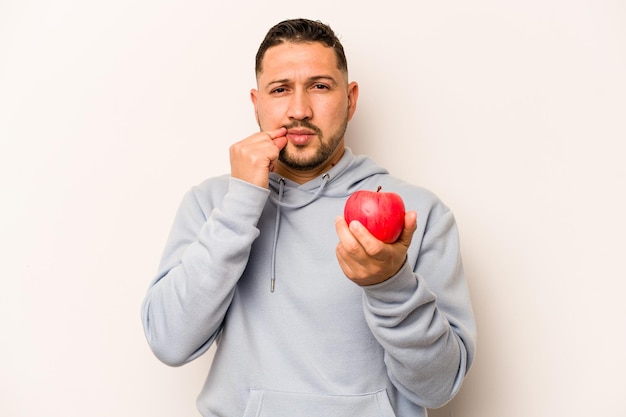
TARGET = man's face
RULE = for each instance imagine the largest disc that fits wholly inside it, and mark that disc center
(302, 89)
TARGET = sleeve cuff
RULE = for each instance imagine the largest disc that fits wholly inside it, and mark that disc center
(396, 289)
(244, 201)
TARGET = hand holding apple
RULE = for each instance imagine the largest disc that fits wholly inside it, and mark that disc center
(382, 213)
(367, 260)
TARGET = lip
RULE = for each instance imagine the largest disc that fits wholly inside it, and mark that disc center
(300, 136)
(300, 132)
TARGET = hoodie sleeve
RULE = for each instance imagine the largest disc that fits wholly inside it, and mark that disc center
(423, 318)
(204, 257)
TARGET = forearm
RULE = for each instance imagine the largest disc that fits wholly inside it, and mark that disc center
(422, 351)
(423, 319)
(203, 260)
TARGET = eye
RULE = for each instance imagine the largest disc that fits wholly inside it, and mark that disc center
(278, 90)
(320, 86)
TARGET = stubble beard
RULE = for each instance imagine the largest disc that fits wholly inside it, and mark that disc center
(324, 152)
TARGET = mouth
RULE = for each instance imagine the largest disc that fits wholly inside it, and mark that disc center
(300, 137)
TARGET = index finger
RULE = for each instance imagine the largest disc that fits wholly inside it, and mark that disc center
(276, 133)
(278, 137)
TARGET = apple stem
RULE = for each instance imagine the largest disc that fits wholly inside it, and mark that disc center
(379, 188)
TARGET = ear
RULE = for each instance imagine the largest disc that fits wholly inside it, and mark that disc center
(353, 95)
(253, 97)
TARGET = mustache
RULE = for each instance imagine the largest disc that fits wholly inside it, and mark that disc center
(306, 124)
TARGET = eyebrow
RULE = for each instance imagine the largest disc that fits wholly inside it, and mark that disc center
(329, 78)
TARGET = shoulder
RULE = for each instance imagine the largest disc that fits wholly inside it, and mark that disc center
(202, 197)
(208, 190)
(224, 191)
(212, 185)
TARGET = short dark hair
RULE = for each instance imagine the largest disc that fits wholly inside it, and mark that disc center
(301, 31)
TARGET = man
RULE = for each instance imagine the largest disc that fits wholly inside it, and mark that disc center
(311, 316)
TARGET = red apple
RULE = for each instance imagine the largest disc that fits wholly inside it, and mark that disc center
(382, 213)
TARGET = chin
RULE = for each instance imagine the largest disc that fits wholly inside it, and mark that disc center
(301, 164)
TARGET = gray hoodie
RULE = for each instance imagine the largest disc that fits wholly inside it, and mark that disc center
(255, 271)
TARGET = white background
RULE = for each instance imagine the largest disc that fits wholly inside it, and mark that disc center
(513, 112)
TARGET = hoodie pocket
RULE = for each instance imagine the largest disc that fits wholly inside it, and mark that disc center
(287, 404)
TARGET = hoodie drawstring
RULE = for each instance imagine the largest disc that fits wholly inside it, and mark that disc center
(279, 205)
(281, 189)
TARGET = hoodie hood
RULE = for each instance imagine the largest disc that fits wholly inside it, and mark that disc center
(340, 181)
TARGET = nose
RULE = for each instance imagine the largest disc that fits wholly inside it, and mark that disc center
(300, 106)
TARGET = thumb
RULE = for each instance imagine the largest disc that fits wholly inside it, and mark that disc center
(410, 226)
(280, 142)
